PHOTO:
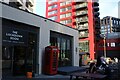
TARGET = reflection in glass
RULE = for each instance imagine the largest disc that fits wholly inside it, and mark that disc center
(65, 49)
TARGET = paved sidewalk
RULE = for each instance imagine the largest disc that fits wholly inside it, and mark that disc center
(40, 77)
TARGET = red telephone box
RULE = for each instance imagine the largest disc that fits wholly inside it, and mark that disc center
(51, 60)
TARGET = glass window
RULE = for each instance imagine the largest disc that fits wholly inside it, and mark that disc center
(112, 44)
(108, 29)
(117, 44)
(112, 21)
(62, 16)
(51, 1)
(65, 9)
(116, 22)
(108, 44)
(63, 22)
(52, 12)
(83, 34)
(84, 46)
(65, 3)
(68, 8)
(68, 2)
(68, 21)
(81, 5)
(62, 10)
(64, 43)
(68, 14)
(53, 18)
(62, 3)
(108, 26)
(51, 7)
(65, 15)
(102, 27)
(82, 19)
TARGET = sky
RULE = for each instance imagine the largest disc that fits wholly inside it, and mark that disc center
(107, 8)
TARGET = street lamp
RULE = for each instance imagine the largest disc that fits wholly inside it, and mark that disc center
(104, 44)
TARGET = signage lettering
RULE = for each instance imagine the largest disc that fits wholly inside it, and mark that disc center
(14, 35)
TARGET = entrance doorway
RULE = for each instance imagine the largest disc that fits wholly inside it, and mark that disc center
(17, 60)
(19, 48)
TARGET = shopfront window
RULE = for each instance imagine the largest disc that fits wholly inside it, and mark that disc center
(65, 49)
(17, 60)
(19, 48)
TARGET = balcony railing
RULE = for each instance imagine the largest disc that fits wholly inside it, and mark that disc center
(81, 20)
(81, 13)
(98, 37)
(19, 3)
(30, 2)
(83, 36)
(96, 14)
(30, 8)
(79, 6)
(95, 4)
(82, 27)
(97, 27)
(96, 8)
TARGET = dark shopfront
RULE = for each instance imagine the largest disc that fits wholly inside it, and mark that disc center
(64, 43)
(19, 48)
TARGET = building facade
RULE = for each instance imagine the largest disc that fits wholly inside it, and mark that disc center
(81, 15)
(119, 9)
(24, 41)
(110, 25)
(110, 33)
(27, 5)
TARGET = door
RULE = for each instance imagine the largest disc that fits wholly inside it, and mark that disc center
(65, 57)
(7, 61)
(19, 67)
(65, 50)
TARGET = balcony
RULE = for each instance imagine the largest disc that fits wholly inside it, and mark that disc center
(96, 9)
(18, 3)
(30, 8)
(98, 37)
(96, 14)
(83, 35)
(81, 13)
(80, 1)
(82, 28)
(97, 27)
(81, 6)
(95, 4)
(30, 2)
(82, 20)
(97, 32)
